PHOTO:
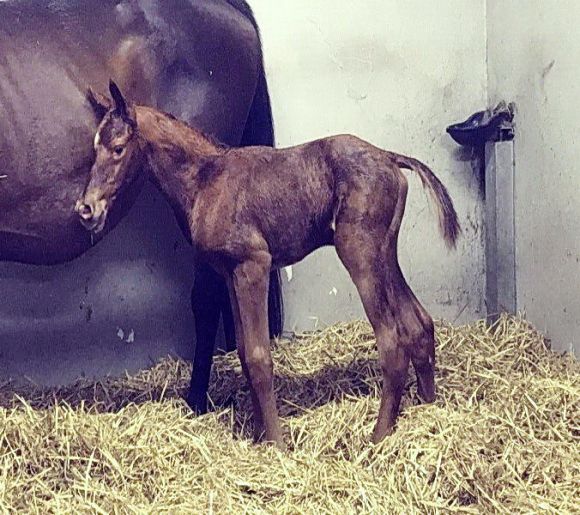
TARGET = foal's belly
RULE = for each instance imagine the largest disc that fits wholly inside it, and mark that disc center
(296, 221)
(296, 241)
(285, 198)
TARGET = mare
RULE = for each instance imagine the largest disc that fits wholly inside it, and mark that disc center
(201, 61)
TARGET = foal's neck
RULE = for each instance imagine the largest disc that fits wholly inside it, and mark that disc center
(175, 153)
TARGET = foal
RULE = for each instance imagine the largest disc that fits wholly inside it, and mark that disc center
(250, 209)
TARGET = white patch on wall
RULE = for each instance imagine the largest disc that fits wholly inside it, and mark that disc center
(334, 291)
(288, 270)
(130, 335)
(315, 320)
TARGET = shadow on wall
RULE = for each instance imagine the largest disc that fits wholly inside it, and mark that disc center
(120, 306)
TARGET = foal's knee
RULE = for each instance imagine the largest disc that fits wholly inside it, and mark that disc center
(260, 367)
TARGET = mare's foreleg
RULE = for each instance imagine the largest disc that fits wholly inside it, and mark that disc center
(209, 298)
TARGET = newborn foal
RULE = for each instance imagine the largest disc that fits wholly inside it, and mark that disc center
(250, 209)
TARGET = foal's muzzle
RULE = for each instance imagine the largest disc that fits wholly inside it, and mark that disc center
(92, 213)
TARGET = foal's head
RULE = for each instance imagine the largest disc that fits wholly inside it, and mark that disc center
(118, 157)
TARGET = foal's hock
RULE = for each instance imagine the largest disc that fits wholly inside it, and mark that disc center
(242, 221)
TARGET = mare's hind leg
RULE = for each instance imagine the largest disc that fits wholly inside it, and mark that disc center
(393, 312)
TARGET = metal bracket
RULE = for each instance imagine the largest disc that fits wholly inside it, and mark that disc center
(500, 252)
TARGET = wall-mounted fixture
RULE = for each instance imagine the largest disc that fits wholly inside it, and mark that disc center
(491, 132)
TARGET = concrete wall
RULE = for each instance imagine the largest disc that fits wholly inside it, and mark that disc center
(533, 50)
(395, 73)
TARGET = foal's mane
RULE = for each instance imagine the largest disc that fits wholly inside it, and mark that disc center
(176, 123)
(205, 135)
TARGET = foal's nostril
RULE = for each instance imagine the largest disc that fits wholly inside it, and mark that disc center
(86, 211)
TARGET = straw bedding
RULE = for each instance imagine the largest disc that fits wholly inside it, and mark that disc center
(503, 435)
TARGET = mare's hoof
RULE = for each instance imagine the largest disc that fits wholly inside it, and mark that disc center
(197, 405)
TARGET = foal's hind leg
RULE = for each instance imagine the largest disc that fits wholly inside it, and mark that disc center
(361, 256)
(415, 337)
(422, 344)
(388, 302)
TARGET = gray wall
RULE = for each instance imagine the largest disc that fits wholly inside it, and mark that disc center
(395, 73)
(533, 59)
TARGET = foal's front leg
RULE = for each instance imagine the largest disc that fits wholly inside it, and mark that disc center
(258, 423)
(250, 284)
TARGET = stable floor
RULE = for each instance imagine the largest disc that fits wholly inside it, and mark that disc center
(501, 437)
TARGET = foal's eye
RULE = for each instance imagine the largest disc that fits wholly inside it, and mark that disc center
(118, 150)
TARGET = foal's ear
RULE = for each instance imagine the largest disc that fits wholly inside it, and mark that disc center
(100, 103)
(120, 103)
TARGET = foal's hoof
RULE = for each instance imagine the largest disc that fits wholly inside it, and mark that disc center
(380, 433)
(278, 442)
(426, 390)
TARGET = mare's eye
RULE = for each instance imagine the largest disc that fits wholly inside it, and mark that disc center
(118, 150)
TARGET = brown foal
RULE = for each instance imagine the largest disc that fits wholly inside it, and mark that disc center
(247, 210)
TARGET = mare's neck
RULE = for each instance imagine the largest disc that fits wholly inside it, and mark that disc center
(175, 153)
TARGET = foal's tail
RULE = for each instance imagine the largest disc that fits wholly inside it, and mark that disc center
(448, 221)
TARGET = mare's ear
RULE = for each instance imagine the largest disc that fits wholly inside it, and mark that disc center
(100, 103)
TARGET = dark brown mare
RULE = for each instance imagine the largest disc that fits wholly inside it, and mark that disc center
(200, 60)
(345, 192)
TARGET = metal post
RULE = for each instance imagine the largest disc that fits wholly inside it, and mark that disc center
(500, 229)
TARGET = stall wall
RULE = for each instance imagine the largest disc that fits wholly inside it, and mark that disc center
(395, 73)
(533, 50)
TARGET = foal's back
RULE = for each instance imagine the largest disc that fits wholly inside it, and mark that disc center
(292, 196)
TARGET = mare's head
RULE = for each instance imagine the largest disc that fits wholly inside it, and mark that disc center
(117, 157)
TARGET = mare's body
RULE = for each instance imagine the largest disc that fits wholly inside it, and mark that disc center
(200, 60)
